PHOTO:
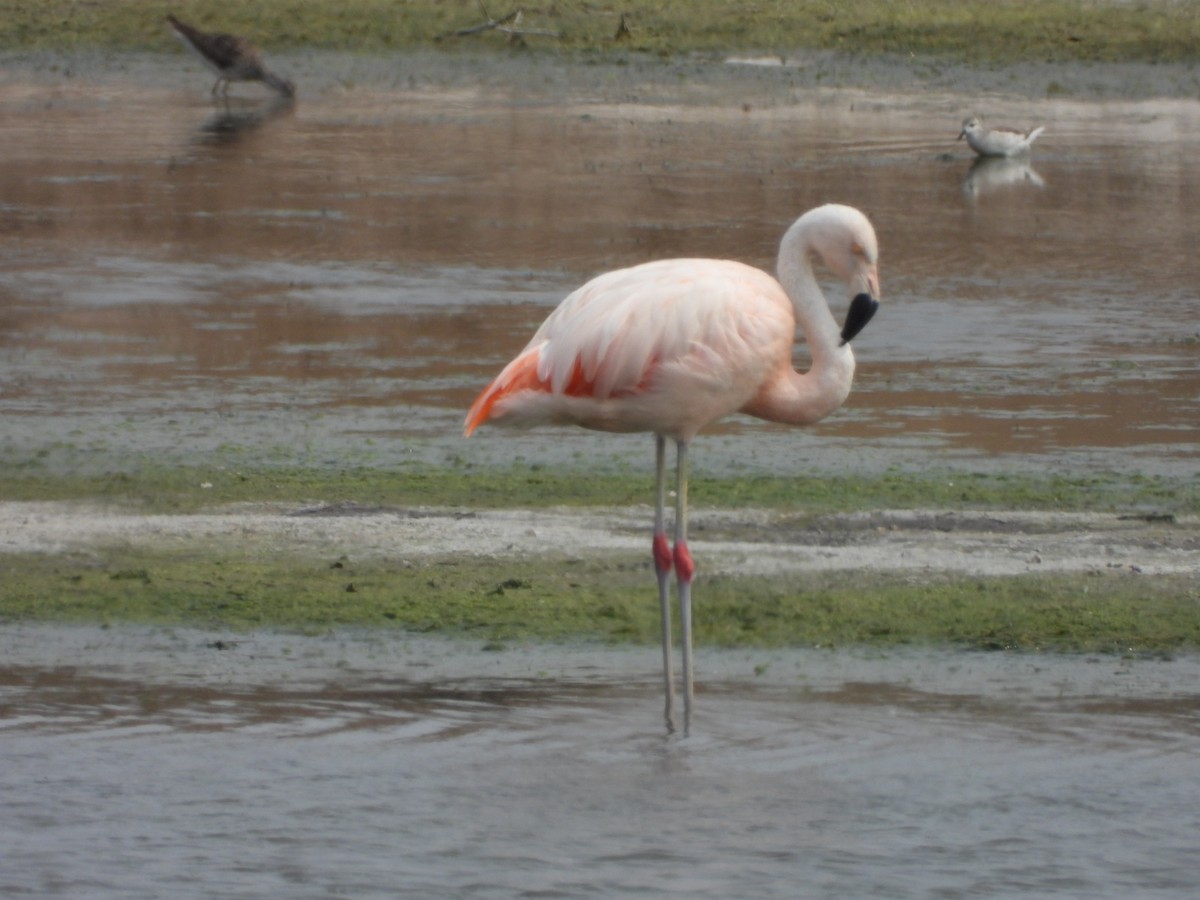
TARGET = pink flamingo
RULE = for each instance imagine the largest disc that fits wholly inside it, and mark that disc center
(671, 346)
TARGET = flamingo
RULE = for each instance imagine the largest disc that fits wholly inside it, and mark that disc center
(671, 346)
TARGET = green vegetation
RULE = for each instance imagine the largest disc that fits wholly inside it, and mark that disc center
(961, 30)
(257, 583)
(598, 599)
(168, 490)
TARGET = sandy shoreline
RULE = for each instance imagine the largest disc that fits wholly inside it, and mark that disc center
(747, 542)
(348, 660)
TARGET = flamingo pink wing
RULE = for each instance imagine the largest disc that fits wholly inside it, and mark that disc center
(610, 337)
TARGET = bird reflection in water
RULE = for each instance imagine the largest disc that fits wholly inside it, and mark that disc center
(992, 173)
(232, 122)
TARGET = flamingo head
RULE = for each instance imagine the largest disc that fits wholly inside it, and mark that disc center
(845, 240)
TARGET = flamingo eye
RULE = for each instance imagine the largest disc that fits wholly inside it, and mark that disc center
(857, 249)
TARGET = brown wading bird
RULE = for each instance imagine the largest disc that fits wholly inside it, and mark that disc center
(231, 57)
(670, 346)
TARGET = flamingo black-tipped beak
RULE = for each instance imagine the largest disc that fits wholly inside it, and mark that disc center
(862, 308)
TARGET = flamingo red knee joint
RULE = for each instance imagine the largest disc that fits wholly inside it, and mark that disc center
(685, 567)
(663, 559)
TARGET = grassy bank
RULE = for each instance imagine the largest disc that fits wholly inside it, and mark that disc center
(596, 597)
(599, 599)
(958, 30)
(179, 490)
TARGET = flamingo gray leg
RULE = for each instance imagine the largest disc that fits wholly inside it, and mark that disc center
(684, 570)
(662, 566)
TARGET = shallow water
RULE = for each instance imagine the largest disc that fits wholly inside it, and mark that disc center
(334, 280)
(371, 766)
(330, 283)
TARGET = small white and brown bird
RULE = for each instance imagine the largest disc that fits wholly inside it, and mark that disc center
(231, 57)
(997, 141)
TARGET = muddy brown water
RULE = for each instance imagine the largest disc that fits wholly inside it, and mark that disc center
(335, 280)
(329, 283)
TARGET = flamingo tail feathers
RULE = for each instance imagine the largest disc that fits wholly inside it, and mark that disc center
(523, 374)
(519, 375)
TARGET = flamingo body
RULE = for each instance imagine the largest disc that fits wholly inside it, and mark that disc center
(666, 346)
(670, 346)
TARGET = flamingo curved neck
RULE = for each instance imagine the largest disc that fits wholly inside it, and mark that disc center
(802, 398)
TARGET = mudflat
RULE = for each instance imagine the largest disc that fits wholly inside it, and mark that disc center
(248, 286)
